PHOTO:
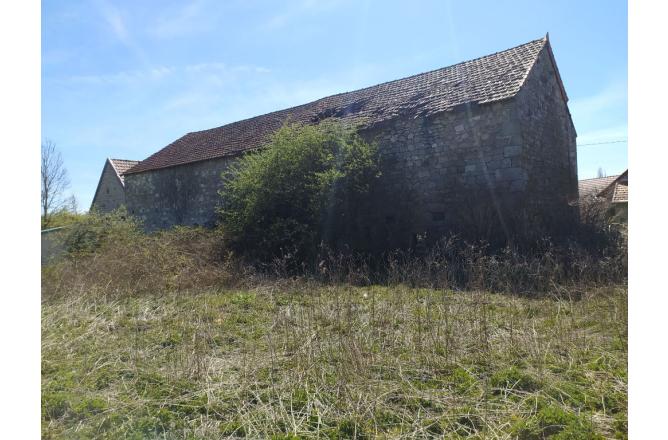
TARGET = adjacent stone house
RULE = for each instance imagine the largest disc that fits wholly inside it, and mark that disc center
(613, 191)
(110, 192)
(490, 138)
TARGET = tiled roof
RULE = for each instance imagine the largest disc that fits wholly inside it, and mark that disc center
(491, 78)
(592, 187)
(121, 166)
(621, 194)
(618, 190)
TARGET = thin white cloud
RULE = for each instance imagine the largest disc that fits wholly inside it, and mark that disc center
(594, 107)
(116, 24)
(188, 100)
(124, 77)
(602, 117)
(114, 20)
(193, 17)
(298, 9)
(214, 71)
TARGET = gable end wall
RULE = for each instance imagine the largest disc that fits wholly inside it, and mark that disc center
(110, 193)
(549, 141)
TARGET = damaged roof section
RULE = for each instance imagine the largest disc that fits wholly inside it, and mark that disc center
(483, 80)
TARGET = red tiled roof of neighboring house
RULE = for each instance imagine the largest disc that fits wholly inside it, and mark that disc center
(121, 166)
(483, 80)
(621, 194)
(592, 187)
(618, 190)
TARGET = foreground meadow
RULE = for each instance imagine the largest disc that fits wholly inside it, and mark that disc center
(301, 361)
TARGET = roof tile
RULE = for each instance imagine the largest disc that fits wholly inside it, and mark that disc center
(483, 80)
(121, 166)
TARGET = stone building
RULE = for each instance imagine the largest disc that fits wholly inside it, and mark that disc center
(610, 191)
(110, 192)
(486, 139)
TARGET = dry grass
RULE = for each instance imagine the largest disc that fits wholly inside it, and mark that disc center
(166, 336)
(128, 262)
(310, 361)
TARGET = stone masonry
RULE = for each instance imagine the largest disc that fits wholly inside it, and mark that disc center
(511, 152)
(110, 192)
(184, 195)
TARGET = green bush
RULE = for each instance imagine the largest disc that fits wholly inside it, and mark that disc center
(304, 189)
(93, 230)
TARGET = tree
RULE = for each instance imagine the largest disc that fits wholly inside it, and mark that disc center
(72, 204)
(54, 180)
(303, 189)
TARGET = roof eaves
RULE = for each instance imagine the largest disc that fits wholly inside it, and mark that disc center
(205, 159)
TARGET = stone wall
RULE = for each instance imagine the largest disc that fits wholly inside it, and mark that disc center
(110, 193)
(181, 195)
(53, 244)
(440, 171)
(470, 167)
(549, 140)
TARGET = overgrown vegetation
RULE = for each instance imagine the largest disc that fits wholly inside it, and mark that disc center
(63, 217)
(168, 336)
(111, 252)
(304, 189)
(308, 361)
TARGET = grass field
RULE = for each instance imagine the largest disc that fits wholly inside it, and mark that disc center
(300, 361)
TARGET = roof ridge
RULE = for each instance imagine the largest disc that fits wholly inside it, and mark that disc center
(604, 177)
(544, 39)
(124, 160)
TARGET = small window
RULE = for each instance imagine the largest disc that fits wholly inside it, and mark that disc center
(438, 216)
(107, 190)
(389, 219)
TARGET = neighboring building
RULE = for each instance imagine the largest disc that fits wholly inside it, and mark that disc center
(588, 188)
(613, 190)
(493, 134)
(617, 192)
(110, 192)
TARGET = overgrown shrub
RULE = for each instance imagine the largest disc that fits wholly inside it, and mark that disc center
(93, 230)
(305, 188)
(547, 267)
(64, 217)
(110, 254)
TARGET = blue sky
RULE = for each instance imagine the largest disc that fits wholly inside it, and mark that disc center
(123, 79)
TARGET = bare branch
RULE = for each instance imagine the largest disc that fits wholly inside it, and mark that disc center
(54, 179)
